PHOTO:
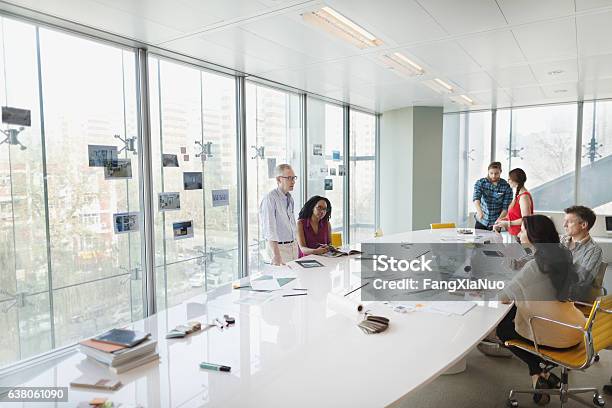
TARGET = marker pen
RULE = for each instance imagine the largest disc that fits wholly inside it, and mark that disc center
(215, 367)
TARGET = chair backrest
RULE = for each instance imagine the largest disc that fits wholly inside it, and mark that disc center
(599, 323)
(440, 225)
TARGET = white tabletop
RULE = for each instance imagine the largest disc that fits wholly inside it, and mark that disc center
(289, 351)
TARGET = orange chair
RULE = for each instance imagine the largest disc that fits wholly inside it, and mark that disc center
(441, 225)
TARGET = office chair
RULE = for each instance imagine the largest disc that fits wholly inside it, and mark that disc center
(597, 335)
(441, 225)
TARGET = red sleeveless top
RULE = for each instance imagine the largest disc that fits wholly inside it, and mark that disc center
(514, 213)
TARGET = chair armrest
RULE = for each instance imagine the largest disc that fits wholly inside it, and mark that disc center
(582, 303)
(533, 332)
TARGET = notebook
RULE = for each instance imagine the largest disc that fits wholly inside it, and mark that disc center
(122, 337)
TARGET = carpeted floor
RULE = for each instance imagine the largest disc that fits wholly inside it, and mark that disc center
(487, 381)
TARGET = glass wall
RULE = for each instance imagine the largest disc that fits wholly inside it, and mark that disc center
(596, 159)
(325, 156)
(542, 141)
(274, 136)
(467, 152)
(70, 217)
(71, 188)
(193, 135)
(362, 194)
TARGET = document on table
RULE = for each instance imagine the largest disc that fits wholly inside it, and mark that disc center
(268, 282)
(447, 308)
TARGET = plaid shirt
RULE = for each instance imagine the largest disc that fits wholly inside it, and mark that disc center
(493, 199)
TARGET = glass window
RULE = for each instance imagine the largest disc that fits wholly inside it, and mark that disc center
(596, 161)
(274, 136)
(326, 156)
(467, 153)
(363, 176)
(193, 129)
(68, 269)
(542, 141)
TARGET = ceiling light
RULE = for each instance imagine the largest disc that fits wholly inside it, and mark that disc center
(439, 86)
(337, 24)
(462, 100)
(556, 72)
(560, 90)
(402, 64)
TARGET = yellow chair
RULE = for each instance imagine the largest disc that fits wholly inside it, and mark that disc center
(336, 239)
(596, 334)
(441, 225)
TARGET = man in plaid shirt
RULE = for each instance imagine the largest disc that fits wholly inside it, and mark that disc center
(492, 197)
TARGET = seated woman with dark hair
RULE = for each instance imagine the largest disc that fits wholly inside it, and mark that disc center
(313, 227)
(541, 288)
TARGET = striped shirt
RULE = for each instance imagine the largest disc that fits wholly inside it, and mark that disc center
(277, 217)
(493, 199)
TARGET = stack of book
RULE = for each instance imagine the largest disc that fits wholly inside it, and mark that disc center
(120, 349)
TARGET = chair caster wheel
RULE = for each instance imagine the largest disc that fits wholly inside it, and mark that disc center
(599, 401)
(596, 357)
(512, 403)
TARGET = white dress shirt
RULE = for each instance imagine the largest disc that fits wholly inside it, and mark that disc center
(277, 217)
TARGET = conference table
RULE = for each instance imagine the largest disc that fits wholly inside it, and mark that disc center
(288, 351)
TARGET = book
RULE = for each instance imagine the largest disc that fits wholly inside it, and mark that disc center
(335, 253)
(120, 356)
(122, 337)
(104, 347)
(135, 363)
(130, 364)
(86, 381)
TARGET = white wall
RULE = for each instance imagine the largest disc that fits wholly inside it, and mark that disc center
(396, 144)
(410, 168)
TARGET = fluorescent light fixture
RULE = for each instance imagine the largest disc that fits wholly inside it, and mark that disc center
(335, 23)
(402, 64)
(463, 100)
(439, 86)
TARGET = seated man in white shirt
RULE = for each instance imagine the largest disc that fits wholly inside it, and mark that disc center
(586, 253)
(277, 218)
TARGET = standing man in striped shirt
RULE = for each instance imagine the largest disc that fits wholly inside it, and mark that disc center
(492, 197)
(277, 218)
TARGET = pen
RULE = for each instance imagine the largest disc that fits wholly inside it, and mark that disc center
(215, 367)
(299, 289)
(296, 294)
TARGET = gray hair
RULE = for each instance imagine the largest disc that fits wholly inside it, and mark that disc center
(281, 168)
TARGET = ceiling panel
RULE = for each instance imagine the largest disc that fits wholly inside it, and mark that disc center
(522, 11)
(554, 39)
(594, 33)
(493, 49)
(223, 9)
(397, 21)
(207, 51)
(445, 57)
(173, 14)
(246, 43)
(511, 77)
(525, 95)
(556, 71)
(591, 4)
(369, 69)
(561, 90)
(466, 15)
(293, 34)
(597, 66)
(478, 81)
(103, 17)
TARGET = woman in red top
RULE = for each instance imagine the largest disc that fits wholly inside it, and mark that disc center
(521, 205)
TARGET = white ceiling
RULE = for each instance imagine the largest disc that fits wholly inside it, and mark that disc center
(499, 52)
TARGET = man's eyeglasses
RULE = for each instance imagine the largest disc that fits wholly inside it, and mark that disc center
(293, 178)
